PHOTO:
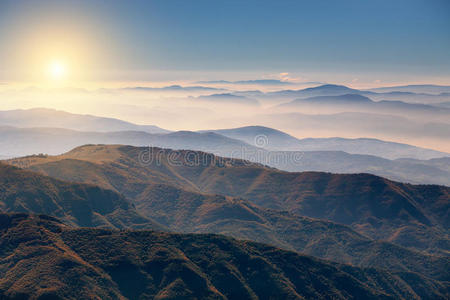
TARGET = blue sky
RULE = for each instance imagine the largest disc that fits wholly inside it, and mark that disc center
(386, 37)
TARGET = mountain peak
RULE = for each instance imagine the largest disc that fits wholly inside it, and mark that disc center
(330, 87)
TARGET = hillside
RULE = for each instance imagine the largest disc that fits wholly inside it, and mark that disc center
(76, 204)
(188, 212)
(409, 215)
(80, 263)
(250, 143)
(179, 210)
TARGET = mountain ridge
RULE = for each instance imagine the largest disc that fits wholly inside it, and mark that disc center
(167, 208)
(77, 204)
(157, 265)
(45, 117)
(371, 205)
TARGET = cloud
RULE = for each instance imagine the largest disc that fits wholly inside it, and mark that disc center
(288, 77)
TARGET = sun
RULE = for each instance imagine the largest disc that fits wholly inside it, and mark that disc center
(57, 70)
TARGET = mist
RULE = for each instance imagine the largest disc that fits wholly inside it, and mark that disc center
(214, 106)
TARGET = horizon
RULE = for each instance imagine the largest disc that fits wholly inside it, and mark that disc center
(238, 149)
(236, 64)
(358, 44)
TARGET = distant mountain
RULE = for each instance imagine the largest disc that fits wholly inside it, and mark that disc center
(26, 141)
(76, 204)
(16, 142)
(345, 98)
(275, 140)
(418, 88)
(249, 82)
(409, 94)
(411, 106)
(43, 117)
(228, 98)
(322, 90)
(356, 102)
(371, 205)
(366, 146)
(172, 88)
(409, 97)
(434, 130)
(260, 136)
(83, 263)
(403, 170)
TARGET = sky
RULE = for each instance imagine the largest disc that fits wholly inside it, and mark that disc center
(365, 42)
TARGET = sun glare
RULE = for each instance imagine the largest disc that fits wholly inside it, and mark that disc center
(57, 70)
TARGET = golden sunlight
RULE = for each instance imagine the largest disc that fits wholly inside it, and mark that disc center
(57, 70)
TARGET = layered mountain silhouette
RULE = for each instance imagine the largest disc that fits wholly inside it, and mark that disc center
(416, 88)
(382, 125)
(171, 208)
(360, 103)
(340, 99)
(276, 140)
(410, 93)
(408, 215)
(43, 117)
(83, 263)
(25, 141)
(262, 82)
(242, 143)
(52, 120)
(322, 90)
(121, 210)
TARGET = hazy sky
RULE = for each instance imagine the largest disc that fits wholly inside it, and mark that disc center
(141, 40)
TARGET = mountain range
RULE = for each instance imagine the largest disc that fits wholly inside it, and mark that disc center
(359, 103)
(249, 82)
(416, 88)
(168, 208)
(83, 263)
(408, 215)
(255, 143)
(378, 234)
(42, 117)
(412, 93)
(276, 140)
